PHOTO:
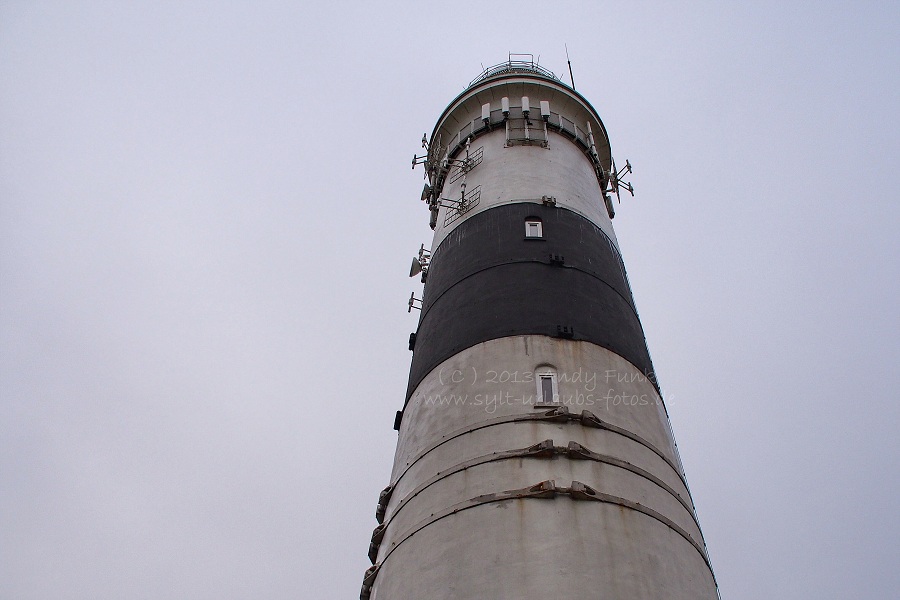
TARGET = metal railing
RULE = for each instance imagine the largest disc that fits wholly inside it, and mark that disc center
(515, 65)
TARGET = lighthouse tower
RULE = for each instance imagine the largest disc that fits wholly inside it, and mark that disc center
(535, 457)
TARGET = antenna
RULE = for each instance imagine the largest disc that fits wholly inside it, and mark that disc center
(420, 263)
(571, 78)
(615, 180)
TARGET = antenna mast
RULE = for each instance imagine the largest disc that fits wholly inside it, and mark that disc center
(571, 78)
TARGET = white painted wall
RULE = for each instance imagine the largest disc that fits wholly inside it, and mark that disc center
(525, 548)
(525, 174)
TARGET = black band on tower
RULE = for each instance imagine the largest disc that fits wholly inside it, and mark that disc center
(487, 280)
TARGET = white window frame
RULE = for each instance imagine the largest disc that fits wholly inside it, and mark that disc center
(532, 227)
(540, 374)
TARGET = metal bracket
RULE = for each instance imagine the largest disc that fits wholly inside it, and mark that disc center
(430, 159)
(377, 536)
(383, 498)
(368, 582)
(420, 263)
(463, 167)
(556, 415)
(457, 208)
(615, 181)
(580, 491)
(544, 490)
(544, 449)
(576, 451)
(412, 303)
(547, 490)
(567, 332)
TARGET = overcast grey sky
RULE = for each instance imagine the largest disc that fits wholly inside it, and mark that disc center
(207, 216)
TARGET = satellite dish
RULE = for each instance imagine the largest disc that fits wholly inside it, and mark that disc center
(415, 268)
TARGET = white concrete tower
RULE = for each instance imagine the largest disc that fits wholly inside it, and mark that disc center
(535, 457)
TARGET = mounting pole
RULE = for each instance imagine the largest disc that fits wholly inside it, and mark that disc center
(571, 78)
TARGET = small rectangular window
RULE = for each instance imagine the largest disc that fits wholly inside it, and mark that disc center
(546, 388)
(533, 229)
